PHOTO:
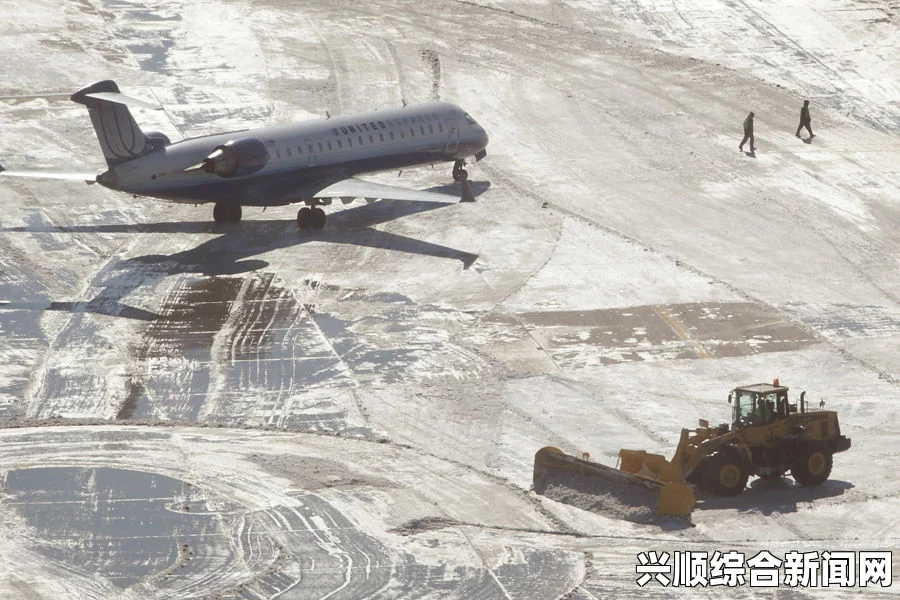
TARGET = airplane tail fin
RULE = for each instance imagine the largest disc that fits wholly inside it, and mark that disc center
(119, 134)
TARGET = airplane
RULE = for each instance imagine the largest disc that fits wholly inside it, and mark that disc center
(312, 162)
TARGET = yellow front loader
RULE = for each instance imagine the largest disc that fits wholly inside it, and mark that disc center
(768, 437)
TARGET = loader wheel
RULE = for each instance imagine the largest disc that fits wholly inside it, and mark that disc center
(724, 474)
(812, 466)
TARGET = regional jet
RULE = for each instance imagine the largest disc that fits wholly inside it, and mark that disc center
(313, 162)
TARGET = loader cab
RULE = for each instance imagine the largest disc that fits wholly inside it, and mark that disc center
(759, 404)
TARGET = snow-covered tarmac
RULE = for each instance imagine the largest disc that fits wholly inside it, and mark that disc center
(354, 413)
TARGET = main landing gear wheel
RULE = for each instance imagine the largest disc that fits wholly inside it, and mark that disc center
(226, 213)
(310, 218)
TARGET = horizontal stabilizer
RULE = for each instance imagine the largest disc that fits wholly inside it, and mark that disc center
(118, 98)
(86, 176)
(357, 188)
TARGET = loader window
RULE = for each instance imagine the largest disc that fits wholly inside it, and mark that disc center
(744, 409)
(752, 408)
(769, 408)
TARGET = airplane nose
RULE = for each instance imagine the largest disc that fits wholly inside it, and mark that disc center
(482, 137)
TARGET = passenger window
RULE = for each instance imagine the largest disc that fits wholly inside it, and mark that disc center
(310, 148)
(430, 128)
(277, 153)
(421, 130)
(299, 150)
(412, 132)
(339, 144)
(381, 137)
(289, 150)
(391, 133)
(329, 146)
(360, 140)
(319, 144)
(371, 139)
(350, 141)
(440, 128)
(402, 135)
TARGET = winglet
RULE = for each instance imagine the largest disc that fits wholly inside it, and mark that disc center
(120, 137)
(108, 90)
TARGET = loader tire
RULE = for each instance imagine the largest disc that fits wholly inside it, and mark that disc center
(724, 474)
(812, 465)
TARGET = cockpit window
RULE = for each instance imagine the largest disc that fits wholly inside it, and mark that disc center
(469, 119)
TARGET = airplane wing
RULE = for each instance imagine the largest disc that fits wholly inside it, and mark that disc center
(86, 176)
(357, 188)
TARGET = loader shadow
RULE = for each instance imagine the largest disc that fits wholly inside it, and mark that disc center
(778, 496)
(233, 252)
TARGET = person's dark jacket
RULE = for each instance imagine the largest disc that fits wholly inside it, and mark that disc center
(748, 125)
(804, 116)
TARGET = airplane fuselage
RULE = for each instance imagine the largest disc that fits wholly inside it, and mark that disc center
(334, 148)
(312, 163)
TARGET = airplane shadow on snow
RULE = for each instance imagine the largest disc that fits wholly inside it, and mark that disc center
(231, 253)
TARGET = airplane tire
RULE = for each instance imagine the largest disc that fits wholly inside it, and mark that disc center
(234, 213)
(317, 218)
(304, 218)
(460, 175)
(220, 212)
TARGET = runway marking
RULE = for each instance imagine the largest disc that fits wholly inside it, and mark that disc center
(681, 331)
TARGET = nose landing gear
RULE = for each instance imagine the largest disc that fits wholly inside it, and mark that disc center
(462, 176)
(459, 173)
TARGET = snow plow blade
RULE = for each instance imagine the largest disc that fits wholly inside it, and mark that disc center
(622, 492)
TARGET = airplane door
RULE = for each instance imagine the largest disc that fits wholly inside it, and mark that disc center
(309, 150)
(453, 135)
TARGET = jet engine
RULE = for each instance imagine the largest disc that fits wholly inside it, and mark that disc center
(155, 141)
(237, 158)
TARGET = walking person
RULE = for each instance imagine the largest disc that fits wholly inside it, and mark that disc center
(748, 134)
(805, 120)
